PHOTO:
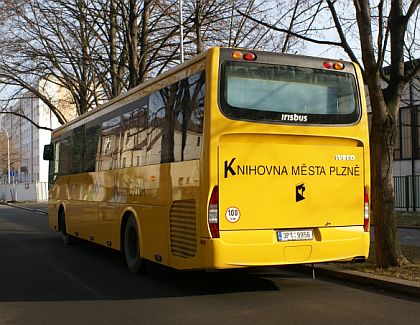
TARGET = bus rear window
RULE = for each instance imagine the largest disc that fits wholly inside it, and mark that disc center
(287, 94)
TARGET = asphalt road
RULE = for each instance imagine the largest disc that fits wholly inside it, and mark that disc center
(44, 282)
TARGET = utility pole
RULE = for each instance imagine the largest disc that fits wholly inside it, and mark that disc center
(181, 32)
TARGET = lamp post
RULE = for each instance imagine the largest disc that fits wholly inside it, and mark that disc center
(8, 154)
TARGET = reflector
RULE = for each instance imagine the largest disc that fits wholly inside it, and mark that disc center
(213, 213)
(366, 216)
(214, 229)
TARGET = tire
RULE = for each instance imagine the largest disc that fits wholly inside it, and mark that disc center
(65, 237)
(132, 247)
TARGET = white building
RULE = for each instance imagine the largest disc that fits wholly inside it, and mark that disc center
(407, 147)
(26, 140)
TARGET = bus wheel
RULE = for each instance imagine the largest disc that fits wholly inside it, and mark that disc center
(132, 247)
(65, 237)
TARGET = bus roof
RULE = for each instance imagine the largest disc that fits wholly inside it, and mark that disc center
(127, 97)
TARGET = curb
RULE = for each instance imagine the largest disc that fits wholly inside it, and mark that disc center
(24, 208)
(408, 227)
(404, 227)
(395, 285)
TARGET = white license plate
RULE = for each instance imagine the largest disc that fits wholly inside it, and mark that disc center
(293, 235)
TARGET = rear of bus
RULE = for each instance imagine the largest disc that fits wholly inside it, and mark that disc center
(288, 161)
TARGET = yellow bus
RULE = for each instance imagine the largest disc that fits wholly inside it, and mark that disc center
(236, 158)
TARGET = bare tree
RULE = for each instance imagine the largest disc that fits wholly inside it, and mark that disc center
(385, 105)
(49, 40)
(97, 49)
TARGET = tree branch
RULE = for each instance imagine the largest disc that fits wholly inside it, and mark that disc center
(292, 21)
(414, 73)
(343, 39)
(290, 32)
(411, 9)
(29, 120)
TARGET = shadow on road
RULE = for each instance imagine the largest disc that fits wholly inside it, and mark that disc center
(37, 267)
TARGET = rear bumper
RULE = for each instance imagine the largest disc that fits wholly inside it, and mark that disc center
(260, 247)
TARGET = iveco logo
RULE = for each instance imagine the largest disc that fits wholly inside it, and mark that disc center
(345, 157)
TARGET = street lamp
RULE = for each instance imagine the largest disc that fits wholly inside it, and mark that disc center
(8, 154)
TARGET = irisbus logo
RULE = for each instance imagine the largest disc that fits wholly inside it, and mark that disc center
(294, 118)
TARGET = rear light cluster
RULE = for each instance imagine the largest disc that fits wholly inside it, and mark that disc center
(213, 213)
(247, 56)
(334, 65)
(366, 216)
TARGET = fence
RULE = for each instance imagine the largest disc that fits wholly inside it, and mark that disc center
(403, 190)
(24, 192)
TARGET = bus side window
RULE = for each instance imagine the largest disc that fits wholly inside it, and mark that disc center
(158, 112)
(176, 121)
(92, 135)
(54, 163)
(77, 149)
(108, 157)
(134, 136)
(193, 117)
(65, 157)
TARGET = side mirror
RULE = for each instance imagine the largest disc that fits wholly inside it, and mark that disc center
(48, 152)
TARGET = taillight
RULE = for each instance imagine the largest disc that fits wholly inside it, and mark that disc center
(213, 213)
(328, 65)
(366, 216)
(338, 66)
(248, 56)
(334, 65)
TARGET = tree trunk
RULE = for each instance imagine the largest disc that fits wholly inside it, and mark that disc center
(144, 41)
(383, 135)
(197, 25)
(385, 106)
(133, 33)
(387, 248)
(115, 83)
(83, 104)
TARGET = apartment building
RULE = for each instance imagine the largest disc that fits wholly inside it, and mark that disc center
(406, 166)
(26, 141)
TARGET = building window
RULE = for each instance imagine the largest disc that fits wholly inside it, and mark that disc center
(406, 128)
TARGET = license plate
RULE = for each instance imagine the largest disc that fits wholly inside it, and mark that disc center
(294, 235)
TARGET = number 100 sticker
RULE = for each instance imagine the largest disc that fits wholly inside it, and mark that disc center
(233, 214)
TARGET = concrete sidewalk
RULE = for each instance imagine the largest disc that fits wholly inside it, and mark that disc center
(389, 284)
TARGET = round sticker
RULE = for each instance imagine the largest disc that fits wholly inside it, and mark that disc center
(233, 214)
